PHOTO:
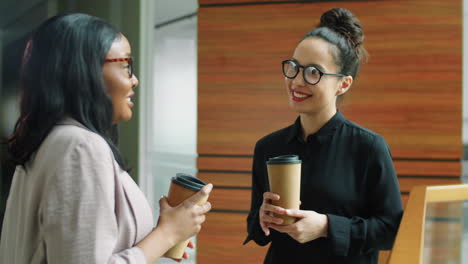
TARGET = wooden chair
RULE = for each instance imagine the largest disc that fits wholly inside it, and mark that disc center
(409, 243)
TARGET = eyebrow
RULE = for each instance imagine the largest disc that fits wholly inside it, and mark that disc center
(318, 66)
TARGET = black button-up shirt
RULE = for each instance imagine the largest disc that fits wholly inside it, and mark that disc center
(347, 174)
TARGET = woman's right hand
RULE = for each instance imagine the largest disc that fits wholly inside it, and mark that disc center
(184, 221)
(175, 224)
(266, 212)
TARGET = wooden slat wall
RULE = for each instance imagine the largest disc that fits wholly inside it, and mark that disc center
(410, 87)
(233, 182)
(205, 3)
(210, 3)
(409, 92)
(403, 167)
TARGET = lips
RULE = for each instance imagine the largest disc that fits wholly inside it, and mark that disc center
(129, 99)
(299, 96)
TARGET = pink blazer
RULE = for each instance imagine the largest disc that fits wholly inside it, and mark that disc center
(72, 203)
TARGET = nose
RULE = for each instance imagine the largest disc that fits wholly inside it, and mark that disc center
(299, 79)
(135, 81)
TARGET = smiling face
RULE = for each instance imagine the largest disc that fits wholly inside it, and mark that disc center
(320, 98)
(119, 85)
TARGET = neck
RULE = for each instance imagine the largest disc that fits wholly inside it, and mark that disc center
(312, 122)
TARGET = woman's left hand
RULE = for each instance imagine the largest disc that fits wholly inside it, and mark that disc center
(309, 226)
(186, 255)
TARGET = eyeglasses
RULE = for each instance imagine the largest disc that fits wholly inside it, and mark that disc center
(311, 74)
(128, 60)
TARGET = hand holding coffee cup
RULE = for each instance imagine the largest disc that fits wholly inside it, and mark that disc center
(284, 176)
(267, 211)
(190, 195)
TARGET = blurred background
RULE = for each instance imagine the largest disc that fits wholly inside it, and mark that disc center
(210, 86)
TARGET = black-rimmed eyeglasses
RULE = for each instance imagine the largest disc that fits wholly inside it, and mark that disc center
(311, 74)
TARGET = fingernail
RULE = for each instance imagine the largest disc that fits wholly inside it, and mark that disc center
(210, 186)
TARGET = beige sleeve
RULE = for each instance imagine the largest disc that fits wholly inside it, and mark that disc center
(78, 216)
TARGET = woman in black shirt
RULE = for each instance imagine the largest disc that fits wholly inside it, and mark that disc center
(350, 198)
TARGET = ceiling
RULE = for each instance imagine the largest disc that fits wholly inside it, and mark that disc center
(167, 10)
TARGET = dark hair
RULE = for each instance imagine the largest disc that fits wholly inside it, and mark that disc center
(61, 76)
(341, 28)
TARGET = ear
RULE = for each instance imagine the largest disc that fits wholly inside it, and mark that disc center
(344, 85)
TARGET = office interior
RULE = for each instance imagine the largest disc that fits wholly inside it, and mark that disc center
(198, 109)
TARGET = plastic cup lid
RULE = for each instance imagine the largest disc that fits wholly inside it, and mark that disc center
(284, 159)
(188, 181)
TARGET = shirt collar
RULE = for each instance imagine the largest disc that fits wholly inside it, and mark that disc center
(296, 130)
(71, 122)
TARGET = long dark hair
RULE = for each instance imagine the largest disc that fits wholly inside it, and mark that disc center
(61, 76)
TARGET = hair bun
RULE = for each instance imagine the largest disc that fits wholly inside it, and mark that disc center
(343, 22)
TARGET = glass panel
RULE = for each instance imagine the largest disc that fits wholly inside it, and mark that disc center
(446, 233)
(171, 109)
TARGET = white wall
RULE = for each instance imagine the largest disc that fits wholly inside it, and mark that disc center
(172, 142)
(166, 10)
(169, 99)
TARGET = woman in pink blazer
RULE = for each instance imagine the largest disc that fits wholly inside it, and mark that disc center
(72, 200)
